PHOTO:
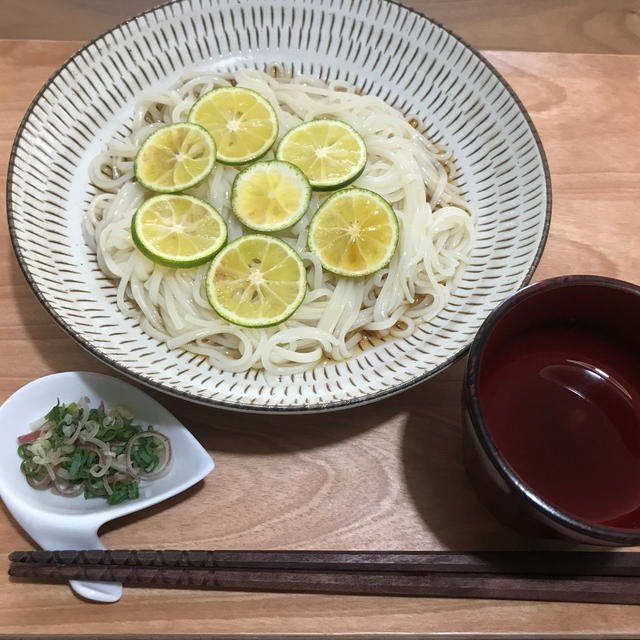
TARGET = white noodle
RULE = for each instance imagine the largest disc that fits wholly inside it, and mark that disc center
(338, 314)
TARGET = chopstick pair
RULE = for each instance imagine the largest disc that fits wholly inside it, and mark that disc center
(604, 577)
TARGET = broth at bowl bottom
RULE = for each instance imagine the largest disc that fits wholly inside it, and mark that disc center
(562, 405)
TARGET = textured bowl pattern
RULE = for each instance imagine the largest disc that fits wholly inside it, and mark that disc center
(381, 47)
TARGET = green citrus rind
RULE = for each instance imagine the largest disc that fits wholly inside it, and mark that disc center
(222, 156)
(216, 285)
(142, 164)
(286, 151)
(146, 247)
(241, 192)
(213, 284)
(322, 216)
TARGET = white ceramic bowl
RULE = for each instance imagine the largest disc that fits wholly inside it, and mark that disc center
(381, 47)
(56, 522)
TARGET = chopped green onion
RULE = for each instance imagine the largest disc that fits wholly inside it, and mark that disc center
(72, 461)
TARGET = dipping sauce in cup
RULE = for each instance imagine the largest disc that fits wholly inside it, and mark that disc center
(552, 410)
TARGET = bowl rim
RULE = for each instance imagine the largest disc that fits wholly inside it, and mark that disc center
(243, 406)
(616, 535)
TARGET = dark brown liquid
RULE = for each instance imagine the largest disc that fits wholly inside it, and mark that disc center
(562, 406)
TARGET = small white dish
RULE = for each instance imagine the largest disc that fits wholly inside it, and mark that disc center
(57, 522)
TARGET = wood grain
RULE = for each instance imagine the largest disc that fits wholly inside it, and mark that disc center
(541, 563)
(593, 589)
(383, 476)
(580, 26)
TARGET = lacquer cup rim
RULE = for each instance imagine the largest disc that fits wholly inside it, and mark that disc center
(583, 528)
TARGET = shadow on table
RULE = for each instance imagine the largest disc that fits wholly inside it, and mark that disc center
(154, 510)
(257, 434)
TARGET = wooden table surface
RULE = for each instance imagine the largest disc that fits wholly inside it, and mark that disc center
(572, 26)
(384, 476)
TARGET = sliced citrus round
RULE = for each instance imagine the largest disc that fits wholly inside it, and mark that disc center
(256, 281)
(354, 232)
(175, 157)
(243, 124)
(329, 152)
(270, 195)
(178, 230)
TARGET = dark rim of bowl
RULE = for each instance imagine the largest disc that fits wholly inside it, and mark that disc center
(472, 402)
(239, 406)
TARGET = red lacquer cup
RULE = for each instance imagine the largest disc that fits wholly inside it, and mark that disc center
(551, 410)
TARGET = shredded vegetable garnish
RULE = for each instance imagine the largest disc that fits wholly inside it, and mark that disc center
(104, 454)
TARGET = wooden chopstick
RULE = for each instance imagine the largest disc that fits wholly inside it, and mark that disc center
(601, 589)
(498, 563)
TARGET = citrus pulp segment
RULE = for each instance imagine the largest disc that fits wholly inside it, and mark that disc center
(178, 230)
(243, 124)
(175, 157)
(270, 195)
(256, 281)
(354, 232)
(330, 152)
